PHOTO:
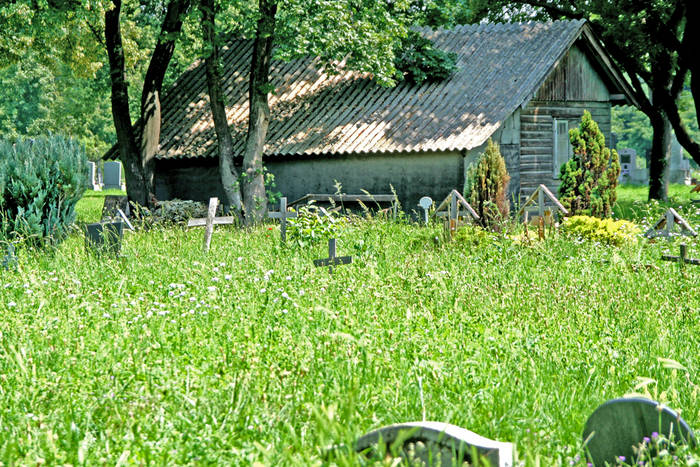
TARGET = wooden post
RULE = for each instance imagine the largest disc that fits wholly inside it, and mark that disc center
(684, 254)
(670, 222)
(453, 215)
(209, 226)
(540, 202)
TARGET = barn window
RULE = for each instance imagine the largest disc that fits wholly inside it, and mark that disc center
(562, 146)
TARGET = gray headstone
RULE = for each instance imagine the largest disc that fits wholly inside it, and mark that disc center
(92, 176)
(435, 444)
(104, 237)
(113, 175)
(617, 426)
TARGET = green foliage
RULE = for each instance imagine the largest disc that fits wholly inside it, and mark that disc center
(41, 180)
(36, 99)
(608, 231)
(589, 178)
(418, 61)
(254, 357)
(487, 187)
(472, 236)
(314, 224)
(632, 129)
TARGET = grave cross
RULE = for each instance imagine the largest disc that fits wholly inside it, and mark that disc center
(332, 259)
(210, 221)
(664, 226)
(683, 258)
(282, 215)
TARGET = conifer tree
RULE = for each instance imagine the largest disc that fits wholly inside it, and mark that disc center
(487, 187)
(589, 178)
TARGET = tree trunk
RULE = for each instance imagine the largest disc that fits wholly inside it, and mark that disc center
(128, 150)
(660, 156)
(691, 38)
(227, 170)
(254, 196)
(153, 83)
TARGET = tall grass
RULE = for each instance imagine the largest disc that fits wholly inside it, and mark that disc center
(251, 355)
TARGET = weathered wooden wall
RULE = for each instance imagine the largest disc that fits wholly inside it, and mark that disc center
(537, 138)
(573, 86)
(575, 78)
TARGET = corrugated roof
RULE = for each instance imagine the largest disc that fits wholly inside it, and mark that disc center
(314, 113)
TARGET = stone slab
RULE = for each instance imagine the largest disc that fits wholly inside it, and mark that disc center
(617, 426)
(436, 444)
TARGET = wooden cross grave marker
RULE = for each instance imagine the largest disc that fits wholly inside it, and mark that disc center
(282, 215)
(540, 193)
(332, 259)
(664, 226)
(683, 258)
(210, 221)
(453, 201)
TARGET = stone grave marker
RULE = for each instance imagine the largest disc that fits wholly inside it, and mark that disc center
(682, 259)
(664, 226)
(112, 205)
(9, 259)
(210, 221)
(104, 237)
(282, 215)
(435, 444)
(112, 175)
(619, 425)
(332, 259)
(93, 182)
(426, 202)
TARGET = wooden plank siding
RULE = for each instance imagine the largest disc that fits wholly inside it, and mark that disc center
(575, 78)
(537, 138)
(573, 86)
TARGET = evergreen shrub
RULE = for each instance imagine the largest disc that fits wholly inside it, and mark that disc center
(606, 231)
(589, 178)
(41, 180)
(487, 187)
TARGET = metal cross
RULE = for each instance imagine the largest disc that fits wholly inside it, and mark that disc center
(683, 258)
(332, 259)
(282, 215)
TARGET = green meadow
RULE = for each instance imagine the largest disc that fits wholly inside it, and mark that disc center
(249, 355)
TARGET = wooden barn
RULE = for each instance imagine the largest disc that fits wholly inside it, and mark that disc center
(523, 85)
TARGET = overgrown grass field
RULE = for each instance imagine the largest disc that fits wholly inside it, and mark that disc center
(251, 355)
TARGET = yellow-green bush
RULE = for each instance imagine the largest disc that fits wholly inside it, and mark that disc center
(607, 231)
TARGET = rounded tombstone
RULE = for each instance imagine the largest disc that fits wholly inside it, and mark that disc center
(434, 444)
(425, 202)
(619, 426)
